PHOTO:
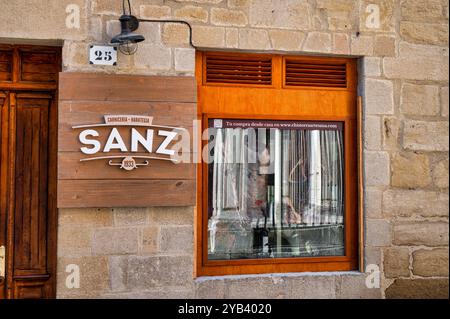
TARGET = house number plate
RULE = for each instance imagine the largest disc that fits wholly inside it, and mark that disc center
(102, 55)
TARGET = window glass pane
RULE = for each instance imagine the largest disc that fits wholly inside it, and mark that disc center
(275, 189)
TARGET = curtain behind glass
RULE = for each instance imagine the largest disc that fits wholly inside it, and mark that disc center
(277, 181)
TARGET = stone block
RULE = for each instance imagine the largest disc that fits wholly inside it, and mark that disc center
(192, 13)
(171, 215)
(151, 32)
(339, 15)
(391, 132)
(410, 170)
(240, 4)
(341, 43)
(254, 39)
(75, 55)
(209, 288)
(150, 239)
(378, 233)
(418, 62)
(396, 262)
(379, 97)
(422, 10)
(130, 216)
(286, 40)
(142, 273)
(444, 101)
(153, 57)
(108, 241)
(256, 287)
(44, 20)
(384, 46)
(418, 289)
(202, 1)
(175, 35)
(386, 10)
(158, 293)
(74, 240)
(440, 174)
(117, 278)
(424, 33)
(207, 36)
(102, 7)
(177, 239)
(431, 263)
(95, 28)
(407, 203)
(112, 28)
(225, 17)
(94, 217)
(155, 12)
(232, 38)
(419, 99)
(372, 67)
(354, 287)
(421, 233)
(287, 14)
(362, 45)
(372, 133)
(372, 203)
(426, 136)
(312, 286)
(376, 168)
(318, 42)
(93, 276)
(372, 256)
(185, 60)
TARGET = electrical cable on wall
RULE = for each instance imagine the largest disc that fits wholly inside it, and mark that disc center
(127, 40)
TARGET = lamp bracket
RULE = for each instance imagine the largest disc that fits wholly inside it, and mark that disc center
(173, 21)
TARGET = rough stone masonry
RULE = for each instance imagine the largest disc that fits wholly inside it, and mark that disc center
(148, 253)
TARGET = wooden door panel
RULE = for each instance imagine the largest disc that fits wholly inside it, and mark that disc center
(3, 176)
(31, 192)
(28, 117)
(6, 57)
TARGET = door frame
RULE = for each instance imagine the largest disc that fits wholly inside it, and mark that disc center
(8, 174)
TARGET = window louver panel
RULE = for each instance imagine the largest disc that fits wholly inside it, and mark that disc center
(238, 70)
(303, 73)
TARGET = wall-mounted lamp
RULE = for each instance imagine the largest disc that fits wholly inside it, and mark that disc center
(127, 40)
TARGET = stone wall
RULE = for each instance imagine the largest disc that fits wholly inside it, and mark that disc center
(404, 85)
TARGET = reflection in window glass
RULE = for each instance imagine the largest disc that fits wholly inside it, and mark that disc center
(275, 189)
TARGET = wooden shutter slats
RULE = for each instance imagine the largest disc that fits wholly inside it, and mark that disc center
(247, 70)
(327, 74)
(239, 81)
(314, 75)
(258, 70)
(240, 68)
(317, 66)
(315, 71)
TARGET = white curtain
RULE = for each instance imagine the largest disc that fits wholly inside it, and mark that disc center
(307, 170)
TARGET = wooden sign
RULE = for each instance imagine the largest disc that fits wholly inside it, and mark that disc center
(118, 138)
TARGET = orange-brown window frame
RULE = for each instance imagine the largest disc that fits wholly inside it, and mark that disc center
(279, 102)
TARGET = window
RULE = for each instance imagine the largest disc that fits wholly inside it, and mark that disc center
(278, 190)
(275, 189)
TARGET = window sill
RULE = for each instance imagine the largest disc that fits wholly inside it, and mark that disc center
(281, 275)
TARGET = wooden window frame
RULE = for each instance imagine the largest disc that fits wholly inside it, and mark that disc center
(291, 103)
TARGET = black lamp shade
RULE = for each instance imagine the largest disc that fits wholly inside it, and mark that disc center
(128, 24)
(127, 38)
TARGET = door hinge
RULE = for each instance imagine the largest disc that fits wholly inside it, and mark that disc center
(2, 262)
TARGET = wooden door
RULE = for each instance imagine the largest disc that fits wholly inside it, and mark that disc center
(28, 218)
